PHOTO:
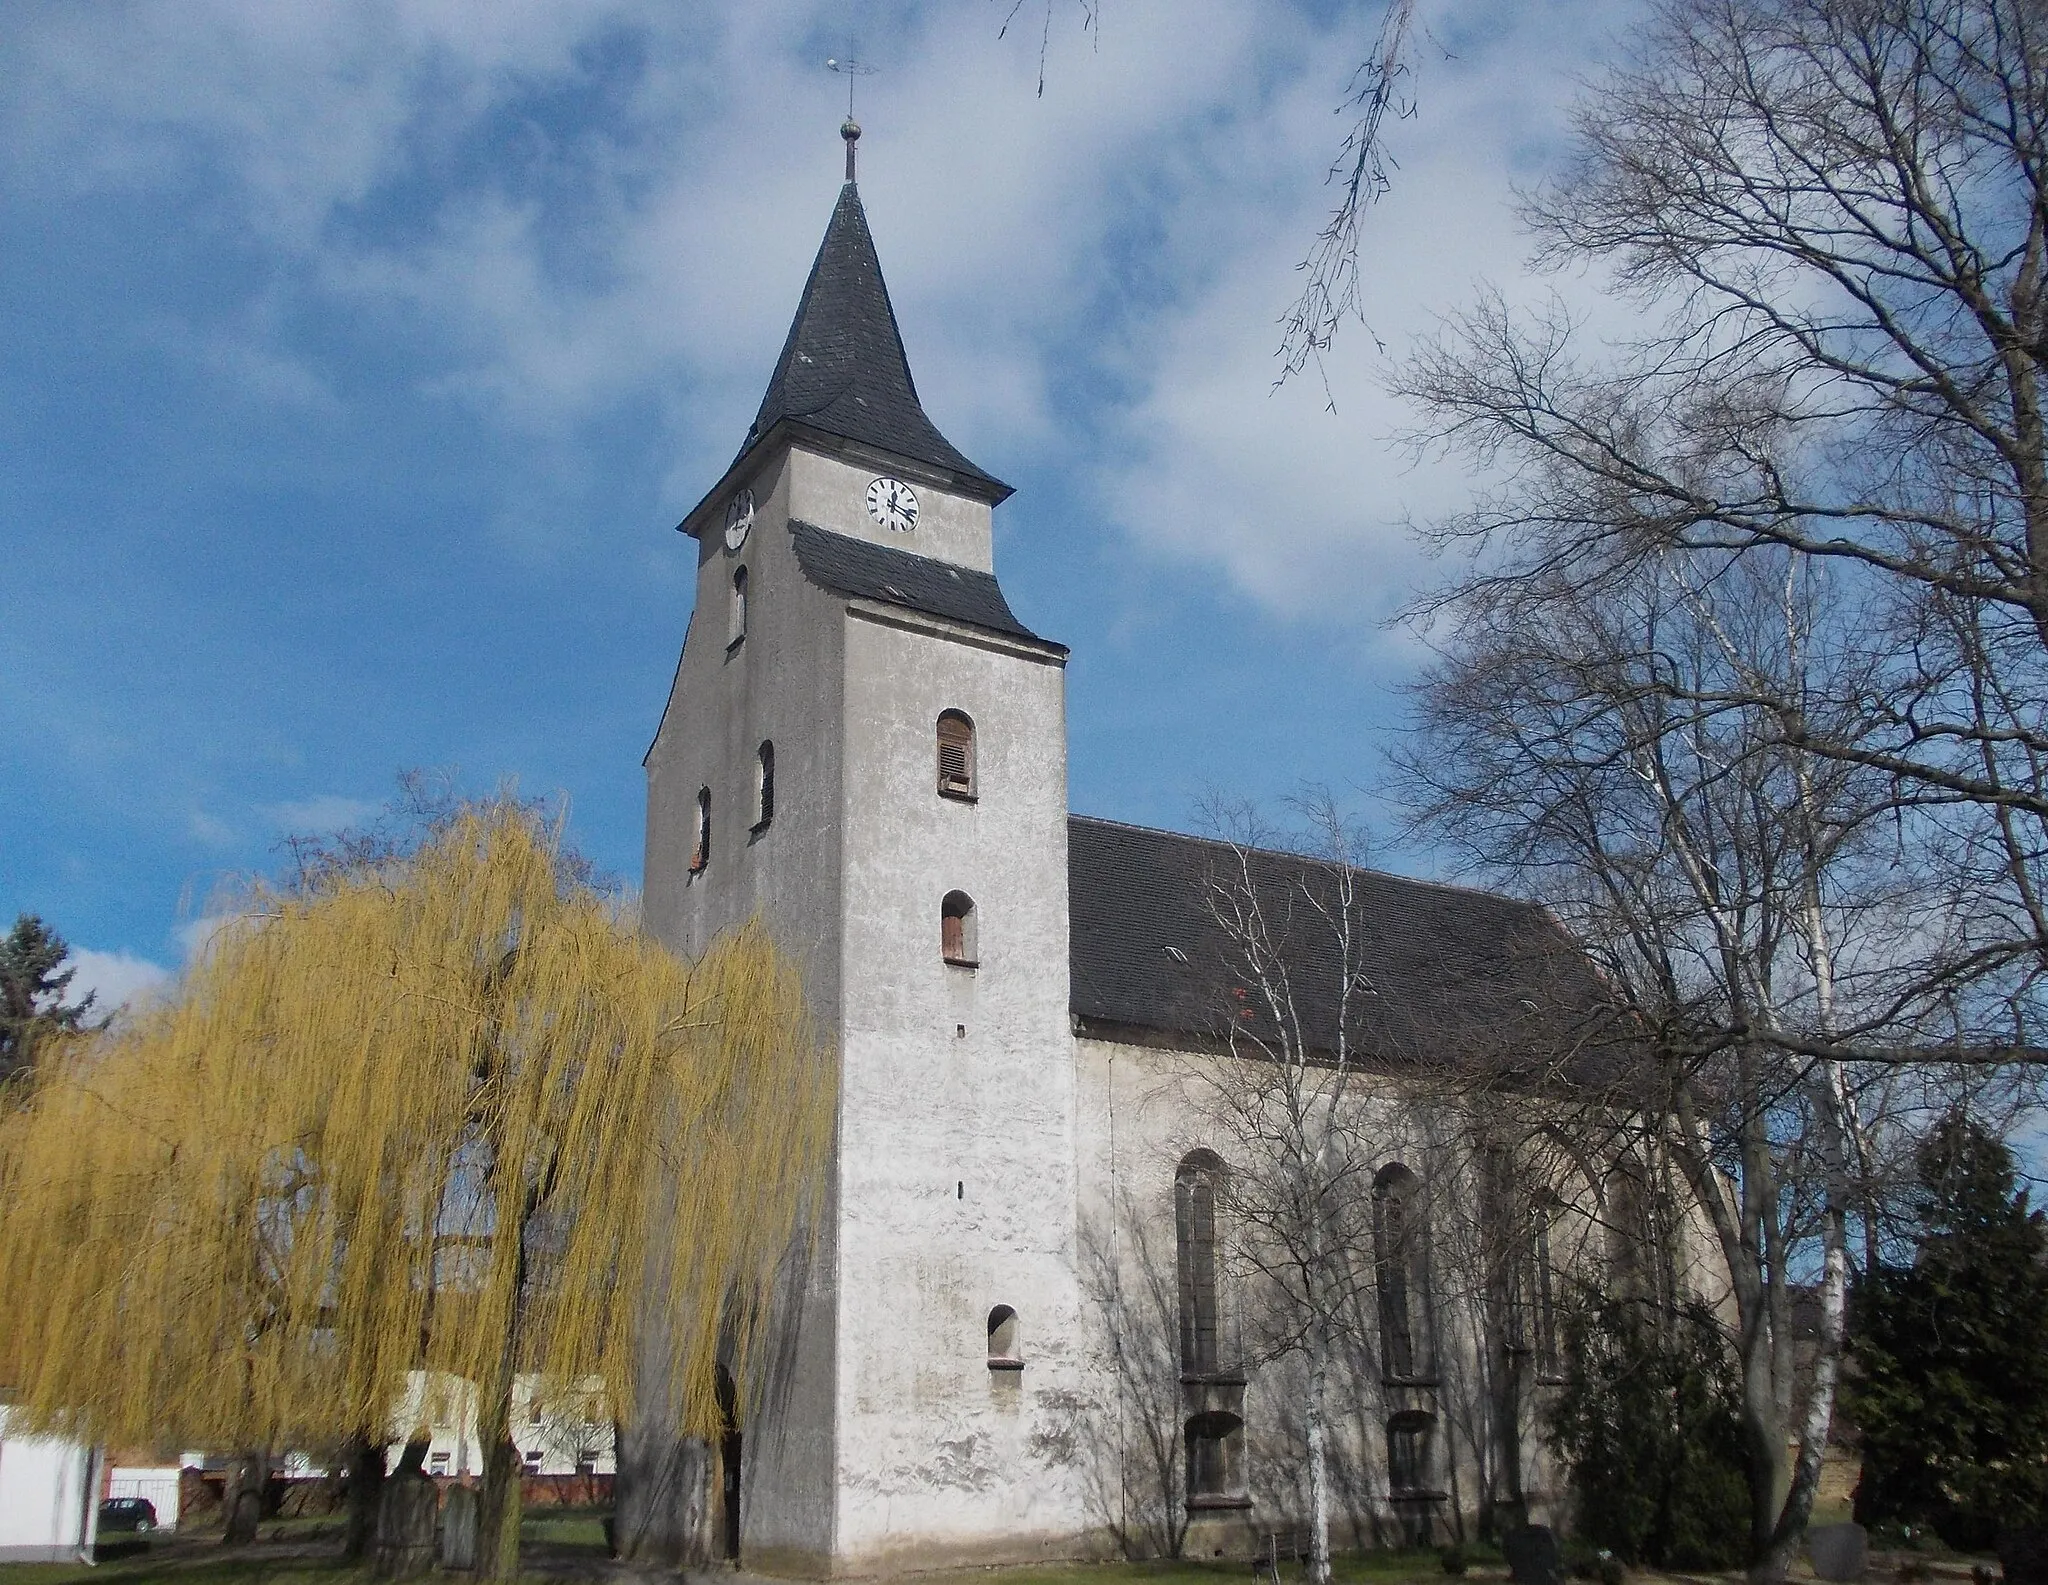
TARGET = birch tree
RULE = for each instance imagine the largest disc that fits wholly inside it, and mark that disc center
(1749, 903)
(1285, 1104)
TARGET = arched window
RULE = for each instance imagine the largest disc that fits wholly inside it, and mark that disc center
(737, 626)
(1400, 1259)
(700, 851)
(1002, 1339)
(1410, 1470)
(764, 788)
(1639, 1247)
(1213, 1443)
(1541, 1331)
(957, 933)
(1196, 1187)
(956, 755)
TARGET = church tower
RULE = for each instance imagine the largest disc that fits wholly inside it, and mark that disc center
(866, 747)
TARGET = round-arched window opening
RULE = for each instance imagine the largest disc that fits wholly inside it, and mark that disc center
(958, 937)
(1002, 1339)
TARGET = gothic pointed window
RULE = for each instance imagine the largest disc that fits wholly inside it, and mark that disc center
(956, 755)
(957, 943)
(736, 627)
(700, 851)
(1196, 1189)
(764, 787)
(1400, 1261)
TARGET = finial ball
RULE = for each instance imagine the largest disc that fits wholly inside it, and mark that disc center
(849, 129)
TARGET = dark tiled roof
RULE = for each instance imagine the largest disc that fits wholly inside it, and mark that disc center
(843, 371)
(1457, 973)
(896, 577)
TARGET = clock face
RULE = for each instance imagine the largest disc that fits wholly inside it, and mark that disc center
(893, 504)
(739, 517)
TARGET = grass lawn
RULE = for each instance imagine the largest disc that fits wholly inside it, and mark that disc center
(570, 1544)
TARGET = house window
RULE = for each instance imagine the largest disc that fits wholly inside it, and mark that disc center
(957, 943)
(437, 1463)
(956, 755)
(531, 1459)
(1400, 1259)
(700, 849)
(764, 788)
(737, 624)
(1213, 1443)
(1409, 1470)
(1002, 1339)
(1195, 1190)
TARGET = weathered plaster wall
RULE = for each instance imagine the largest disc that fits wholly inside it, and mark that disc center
(832, 493)
(957, 1165)
(1140, 1110)
(781, 683)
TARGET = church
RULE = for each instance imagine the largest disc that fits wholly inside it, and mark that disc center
(1016, 1337)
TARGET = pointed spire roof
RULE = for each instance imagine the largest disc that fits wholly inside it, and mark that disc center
(843, 371)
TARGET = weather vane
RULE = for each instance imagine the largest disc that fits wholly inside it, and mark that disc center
(852, 68)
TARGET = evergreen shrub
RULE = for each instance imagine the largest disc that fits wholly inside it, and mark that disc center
(1648, 1424)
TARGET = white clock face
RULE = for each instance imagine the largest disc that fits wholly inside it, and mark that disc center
(893, 504)
(739, 517)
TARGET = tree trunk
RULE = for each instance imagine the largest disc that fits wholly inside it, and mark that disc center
(498, 1498)
(1318, 1453)
(661, 1507)
(363, 1464)
(242, 1497)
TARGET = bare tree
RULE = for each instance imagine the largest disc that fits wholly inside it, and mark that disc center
(1285, 1104)
(1834, 214)
(1749, 903)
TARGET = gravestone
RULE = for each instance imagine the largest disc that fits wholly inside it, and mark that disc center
(1531, 1551)
(458, 1528)
(408, 1516)
(1839, 1551)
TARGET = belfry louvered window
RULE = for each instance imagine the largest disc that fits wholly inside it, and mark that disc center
(956, 755)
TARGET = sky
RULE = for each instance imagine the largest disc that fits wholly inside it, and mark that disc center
(357, 360)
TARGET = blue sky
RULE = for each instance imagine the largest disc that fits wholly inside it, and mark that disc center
(357, 359)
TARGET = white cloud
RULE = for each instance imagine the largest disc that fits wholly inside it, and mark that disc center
(117, 979)
(319, 814)
(1137, 225)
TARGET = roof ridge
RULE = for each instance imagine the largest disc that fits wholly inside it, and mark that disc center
(1283, 853)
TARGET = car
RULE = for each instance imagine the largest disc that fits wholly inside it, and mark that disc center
(127, 1513)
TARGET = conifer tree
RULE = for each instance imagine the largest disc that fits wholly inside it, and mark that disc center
(1950, 1388)
(32, 992)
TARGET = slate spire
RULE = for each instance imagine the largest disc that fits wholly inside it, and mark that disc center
(843, 371)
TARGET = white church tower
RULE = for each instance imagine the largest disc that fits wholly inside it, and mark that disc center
(864, 746)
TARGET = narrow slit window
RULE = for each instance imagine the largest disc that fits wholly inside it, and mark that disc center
(700, 851)
(764, 798)
(957, 942)
(738, 623)
(956, 755)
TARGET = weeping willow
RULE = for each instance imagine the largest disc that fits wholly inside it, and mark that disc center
(445, 1113)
